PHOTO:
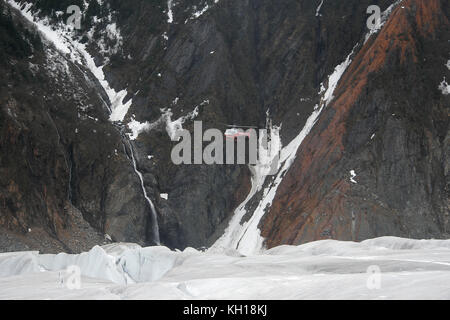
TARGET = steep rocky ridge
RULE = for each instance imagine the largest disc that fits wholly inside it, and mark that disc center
(60, 155)
(389, 124)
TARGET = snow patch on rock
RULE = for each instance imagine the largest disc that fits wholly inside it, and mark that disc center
(319, 7)
(444, 87)
(199, 12)
(169, 11)
(353, 176)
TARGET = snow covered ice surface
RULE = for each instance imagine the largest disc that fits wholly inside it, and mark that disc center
(409, 269)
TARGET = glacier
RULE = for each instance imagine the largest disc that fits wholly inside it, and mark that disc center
(328, 269)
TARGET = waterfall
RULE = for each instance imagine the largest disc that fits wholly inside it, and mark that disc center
(69, 168)
(152, 206)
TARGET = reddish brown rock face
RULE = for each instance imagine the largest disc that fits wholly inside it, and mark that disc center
(317, 200)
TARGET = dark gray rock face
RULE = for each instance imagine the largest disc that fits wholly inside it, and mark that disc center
(244, 58)
(235, 62)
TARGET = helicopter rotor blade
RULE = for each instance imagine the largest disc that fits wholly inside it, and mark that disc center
(237, 126)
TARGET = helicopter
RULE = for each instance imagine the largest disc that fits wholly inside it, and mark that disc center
(236, 131)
